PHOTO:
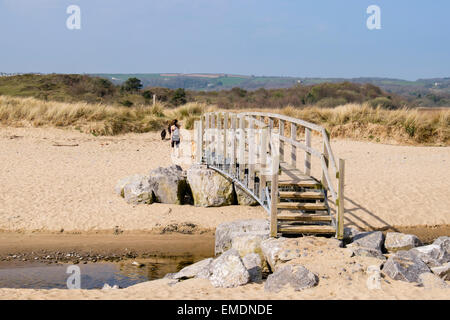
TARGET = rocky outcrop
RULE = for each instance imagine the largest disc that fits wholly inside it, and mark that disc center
(168, 184)
(442, 271)
(405, 266)
(138, 191)
(201, 269)
(228, 270)
(243, 198)
(209, 188)
(253, 263)
(429, 280)
(396, 241)
(368, 244)
(225, 232)
(350, 233)
(295, 276)
(118, 189)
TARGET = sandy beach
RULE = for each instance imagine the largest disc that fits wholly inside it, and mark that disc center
(61, 182)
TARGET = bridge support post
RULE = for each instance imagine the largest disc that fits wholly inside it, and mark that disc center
(308, 154)
(233, 145)
(341, 199)
(242, 134)
(293, 148)
(281, 131)
(263, 163)
(251, 155)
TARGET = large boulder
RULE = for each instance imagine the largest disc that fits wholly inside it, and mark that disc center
(168, 184)
(429, 280)
(350, 233)
(225, 232)
(434, 255)
(243, 198)
(442, 271)
(228, 271)
(405, 266)
(295, 276)
(201, 269)
(254, 265)
(138, 190)
(368, 244)
(396, 241)
(209, 188)
(444, 243)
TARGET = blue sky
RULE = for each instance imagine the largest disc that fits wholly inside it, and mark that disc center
(320, 38)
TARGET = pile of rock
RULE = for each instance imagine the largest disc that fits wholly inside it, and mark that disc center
(199, 185)
(245, 253)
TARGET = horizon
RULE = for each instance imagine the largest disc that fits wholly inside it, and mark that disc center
(323, 39)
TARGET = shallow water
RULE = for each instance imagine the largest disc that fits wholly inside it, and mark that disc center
(93, 275)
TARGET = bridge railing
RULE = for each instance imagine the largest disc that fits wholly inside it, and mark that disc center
(248, 148)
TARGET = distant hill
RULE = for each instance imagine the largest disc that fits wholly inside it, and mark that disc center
(423, 92)
(228, 91)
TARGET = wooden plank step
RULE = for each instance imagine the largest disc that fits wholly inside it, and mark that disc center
(300, 183)
(302, 206)
(308, 229)
(304, 217)
(301, 195)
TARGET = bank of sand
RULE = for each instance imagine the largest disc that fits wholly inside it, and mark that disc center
(55, 180)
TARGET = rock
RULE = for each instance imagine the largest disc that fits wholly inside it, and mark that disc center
(442, 271)
(350, 233)
(374, 280)
(434, 255)
(243, 198)
(108, 287)
(168, 184)
(138, 190)
(396, 241)
(368, 252)
(137, 264)
(405, 266)
(248, 243)
(253, 263)
(228, 270)
(296, 276)
(372, 240)
(444, 243)
(274, 253)
(225, 232)
(199, 269)
(118, 189)
(431, 281)
(209, 188)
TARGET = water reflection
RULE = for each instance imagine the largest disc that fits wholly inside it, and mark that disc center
(93, 275)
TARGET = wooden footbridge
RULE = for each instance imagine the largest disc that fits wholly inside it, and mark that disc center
(251, 149)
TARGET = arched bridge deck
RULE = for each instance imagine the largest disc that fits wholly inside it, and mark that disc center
(250, 149)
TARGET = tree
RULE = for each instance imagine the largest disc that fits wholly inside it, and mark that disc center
(132, 85)
(179, 97)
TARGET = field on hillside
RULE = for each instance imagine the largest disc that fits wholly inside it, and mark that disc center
(355, 121)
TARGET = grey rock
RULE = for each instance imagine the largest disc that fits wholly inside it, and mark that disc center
(372, 240)
(253, 263)
(199, 270)
(442, 271)
(274, 252)
(434, 255)
(209, 188)
(405, 266)
(444, 243)
(228, 270)
(168, 184)
(350, 233)
(138, 191)
(396, 241)
(296, 276)
(368, 252)
(118, 189)
(243, 198)
(431, 281)
(225, 232)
